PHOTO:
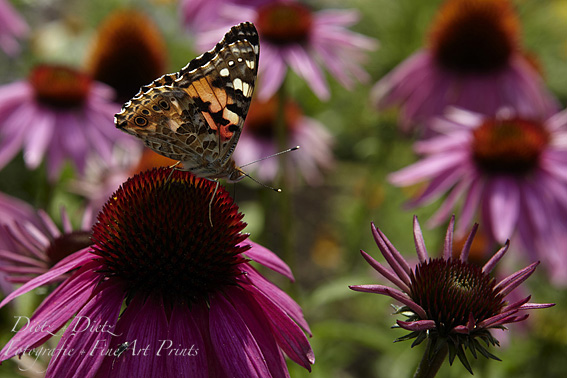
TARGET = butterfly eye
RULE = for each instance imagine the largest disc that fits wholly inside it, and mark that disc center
(164, 104)
(140, 121)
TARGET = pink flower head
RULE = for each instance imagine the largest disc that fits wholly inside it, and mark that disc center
(59, 113)
(473, 60)
(160, 278)
(448, 300)
(30, 246)
(292, 35)
(198, 15)
(260, 139)
(507, 170)
(12, 27)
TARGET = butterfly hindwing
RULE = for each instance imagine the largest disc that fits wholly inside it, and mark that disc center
(196, 115)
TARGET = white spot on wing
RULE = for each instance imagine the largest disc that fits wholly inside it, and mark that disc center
(231, 63)
(250, 64)
(246, 89)
(224, 72)
(237, 83)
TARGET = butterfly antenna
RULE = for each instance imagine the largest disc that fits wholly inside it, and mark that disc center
(261, 183)
(267, 157)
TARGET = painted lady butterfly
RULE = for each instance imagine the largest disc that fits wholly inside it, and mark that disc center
(196, 115)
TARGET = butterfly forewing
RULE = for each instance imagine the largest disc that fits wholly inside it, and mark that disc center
(196, 115)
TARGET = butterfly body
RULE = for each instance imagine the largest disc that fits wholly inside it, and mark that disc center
(196, 115)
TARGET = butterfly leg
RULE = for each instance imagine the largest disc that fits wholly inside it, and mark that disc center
(172, 167)
(211, 203)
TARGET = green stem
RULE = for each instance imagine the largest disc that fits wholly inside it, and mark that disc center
(431, 361)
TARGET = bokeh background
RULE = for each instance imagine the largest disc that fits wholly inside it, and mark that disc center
(318, 229)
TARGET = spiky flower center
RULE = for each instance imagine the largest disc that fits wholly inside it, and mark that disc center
(67, 244)
(262, 117)
(129, 52)
(59, 86)
(155, 235)
(510, 146)
(450, 290)
(284, 23)
(474, 36)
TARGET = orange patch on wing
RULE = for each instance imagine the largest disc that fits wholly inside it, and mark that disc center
(225, 133)
(210, 121)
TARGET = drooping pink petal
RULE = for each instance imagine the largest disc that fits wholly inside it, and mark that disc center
(68, 263)
(386, 248)
(258, 324)
(241, 355)
(288, 334)
(91, 331)
(184, 332)
(504, 207)
(269, 259)
(279, 297)
(54, 312)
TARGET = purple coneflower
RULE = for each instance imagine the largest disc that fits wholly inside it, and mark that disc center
(128, 52)
(167, 295)
(508, 170)
(30, 246)
(12, 27)
(291, 34)
(58, 112)
(473, 60)
(448, 301)
(198, 15)
(260, 139)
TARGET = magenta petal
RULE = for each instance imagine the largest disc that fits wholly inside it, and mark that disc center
(144, 325)
(68, 263)
(419, 242)
(278, 297)
(448, 244)
(236, 347)
(389, 254)
(269, 259)
(385, 272)
(418, 325)
(511, 282)
(184, 332)
(288, 334)
(504, 208)
(490, 264)
(259, 325)
(54, 311)
(101, 312)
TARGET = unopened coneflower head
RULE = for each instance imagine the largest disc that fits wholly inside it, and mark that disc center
(507, 171)
(59, 113)
(473, 59)
(161, 277)
(128, 52)
(448, 301)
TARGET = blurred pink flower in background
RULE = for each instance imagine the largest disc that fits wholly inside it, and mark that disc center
(60, 114)
(473, 60)
(31, 245)
(509, 171)
(294, 36)
(12, 27)
(260, 139)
